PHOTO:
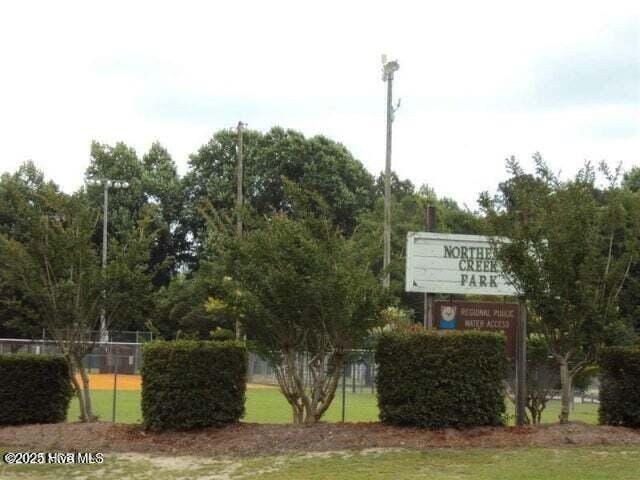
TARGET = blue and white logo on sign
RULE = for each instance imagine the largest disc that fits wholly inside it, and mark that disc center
(448, 317)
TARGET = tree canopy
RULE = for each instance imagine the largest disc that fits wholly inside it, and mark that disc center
(316, 164)
(570, 253)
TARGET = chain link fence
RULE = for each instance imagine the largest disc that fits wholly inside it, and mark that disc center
(115, 379)
(117, 354)
(115, 369)
(358, 375)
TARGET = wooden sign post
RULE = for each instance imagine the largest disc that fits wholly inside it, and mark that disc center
(430, 225)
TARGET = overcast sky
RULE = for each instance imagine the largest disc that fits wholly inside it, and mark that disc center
(479, 81)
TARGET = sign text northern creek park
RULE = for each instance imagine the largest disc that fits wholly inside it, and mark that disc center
(457, 264)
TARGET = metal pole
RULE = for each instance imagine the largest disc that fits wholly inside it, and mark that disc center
(344, 388)
(239, 202)
(521, 366)
(387, 185)
(239, 197)
(103, 317)
(115, 385)
(430, 222)
(353, 378)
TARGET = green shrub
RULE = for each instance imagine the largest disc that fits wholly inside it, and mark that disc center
(222, 334)
(441, 380)
(191, 384)
(34, 389)
(620, 387)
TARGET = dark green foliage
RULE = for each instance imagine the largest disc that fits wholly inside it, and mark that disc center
(193, 384)
(301, 289)
(315, 164)
(149, 209)
(572, 249)
(438, 380)
(222, 334)
(620, 387)
(34, 389)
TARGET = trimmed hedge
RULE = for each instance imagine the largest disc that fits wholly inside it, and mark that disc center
(441, 380)
(34, 389)
(193, 384)
(620, 387)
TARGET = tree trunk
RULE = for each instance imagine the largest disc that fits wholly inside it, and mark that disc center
(298, 414)
(86, 392)
(308, 405)
(532, 406)
(78, 389)
(324, 386)
(565, 383)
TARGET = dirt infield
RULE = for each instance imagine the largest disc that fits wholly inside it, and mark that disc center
(104, 381)
(262, 439)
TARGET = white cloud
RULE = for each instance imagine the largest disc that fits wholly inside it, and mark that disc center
(176, 72)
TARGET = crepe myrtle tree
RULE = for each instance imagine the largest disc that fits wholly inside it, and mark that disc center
(305, 297)
(572, 246)
(57, 268)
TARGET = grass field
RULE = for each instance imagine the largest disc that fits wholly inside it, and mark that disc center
(577, 463)
(267, 405)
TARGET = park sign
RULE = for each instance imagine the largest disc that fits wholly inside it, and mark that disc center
(456, 264)
(484, 316)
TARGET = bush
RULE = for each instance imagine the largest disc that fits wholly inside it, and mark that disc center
(620, 387)
(191, 384)
(34, 389)
(222, 335)
(441, 380)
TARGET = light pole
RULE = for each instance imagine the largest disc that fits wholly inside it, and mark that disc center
(239, 198)
(388, 69)
(106, 183)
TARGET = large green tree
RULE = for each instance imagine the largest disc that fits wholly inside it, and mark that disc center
(152, 200)
(306, 296)
(23, 197)
(571, 250)
(54, 264)
(630, 294)
(316, 164)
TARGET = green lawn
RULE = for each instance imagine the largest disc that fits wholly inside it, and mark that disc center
(577, 463)
(269, 406)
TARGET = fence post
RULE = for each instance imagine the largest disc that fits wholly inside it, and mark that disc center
(115, 384)
(373, 376)
(353, 378)
(344, 387)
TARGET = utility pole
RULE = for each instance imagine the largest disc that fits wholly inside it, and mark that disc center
(104, 334)
(239, 199)
(430, 226)
(388, 69)
(240, 175)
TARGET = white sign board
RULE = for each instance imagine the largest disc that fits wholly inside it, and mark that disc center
(451, 263)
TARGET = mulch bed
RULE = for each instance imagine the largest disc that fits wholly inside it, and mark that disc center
(262, 439)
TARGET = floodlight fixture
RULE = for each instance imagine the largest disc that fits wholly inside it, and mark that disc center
(388, 68)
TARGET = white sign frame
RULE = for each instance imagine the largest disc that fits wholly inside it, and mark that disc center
(455, 264)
